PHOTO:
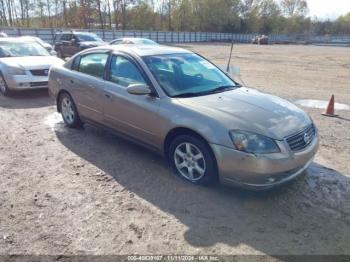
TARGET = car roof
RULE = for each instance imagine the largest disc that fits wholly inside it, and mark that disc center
(84, 33)
(134, 38)
(142, 50)
(75, 32)
(29, 37)
(15, 39)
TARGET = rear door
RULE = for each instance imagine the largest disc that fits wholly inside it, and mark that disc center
(87, 84)
(134, 115)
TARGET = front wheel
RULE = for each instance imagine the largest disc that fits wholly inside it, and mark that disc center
(3, 86)
(69, 111)
(192, 159)
(60, 54)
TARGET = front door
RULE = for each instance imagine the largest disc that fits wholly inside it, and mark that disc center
(133, 115)
(66, 44)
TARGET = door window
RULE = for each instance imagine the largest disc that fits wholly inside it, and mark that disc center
(124, 72)
(66, 37)
(93, 64)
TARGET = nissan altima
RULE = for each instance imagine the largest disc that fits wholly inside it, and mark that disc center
(24, 64)
(179, 104)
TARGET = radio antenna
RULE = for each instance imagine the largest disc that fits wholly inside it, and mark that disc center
(229, 59)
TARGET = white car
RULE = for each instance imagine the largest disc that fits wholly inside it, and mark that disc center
(46, 45)
(24, 65)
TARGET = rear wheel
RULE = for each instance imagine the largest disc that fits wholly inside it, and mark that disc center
(192, 159)
(69, 111)
(3, 86)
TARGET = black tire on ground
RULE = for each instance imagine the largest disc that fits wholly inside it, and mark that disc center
(210, 175)
(66, 101)
(59, 54)
(4, 90)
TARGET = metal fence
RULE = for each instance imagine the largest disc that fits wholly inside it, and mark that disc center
(48, 34)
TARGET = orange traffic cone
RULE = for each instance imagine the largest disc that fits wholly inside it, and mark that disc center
(330, 108)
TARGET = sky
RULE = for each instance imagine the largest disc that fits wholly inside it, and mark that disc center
(325, 9)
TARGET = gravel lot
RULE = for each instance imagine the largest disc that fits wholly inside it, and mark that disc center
(86, 191)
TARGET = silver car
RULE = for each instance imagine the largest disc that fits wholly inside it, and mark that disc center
(132, 40)
(24, 64)
(182, 106)
(46, 45)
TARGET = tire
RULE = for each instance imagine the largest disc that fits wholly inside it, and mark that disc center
(69, 111)
(4, 90)
(192, 159)
(59, 54)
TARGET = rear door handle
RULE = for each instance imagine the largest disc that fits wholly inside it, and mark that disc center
(72, 81)
(108, 96)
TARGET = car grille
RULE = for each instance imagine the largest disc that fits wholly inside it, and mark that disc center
(34, 84)
(302, 139)
(40, 72)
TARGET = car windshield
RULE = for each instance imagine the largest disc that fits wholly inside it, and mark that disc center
(186, 75)
(40, 41)
(88, 37)
(35, 39)
(13, 49)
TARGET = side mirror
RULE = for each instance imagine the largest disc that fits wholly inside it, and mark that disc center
(53, 53)
(139, 89)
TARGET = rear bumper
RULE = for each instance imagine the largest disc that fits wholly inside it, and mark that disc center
(262, 172)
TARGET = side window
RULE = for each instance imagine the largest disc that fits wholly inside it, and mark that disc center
(93, 64)
(66, 37)
(123, 72)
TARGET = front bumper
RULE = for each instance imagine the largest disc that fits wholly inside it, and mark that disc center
(23, 82)
(261, 172)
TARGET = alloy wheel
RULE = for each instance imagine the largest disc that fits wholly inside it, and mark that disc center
(67, 109)
(189, 161)
(3, 87)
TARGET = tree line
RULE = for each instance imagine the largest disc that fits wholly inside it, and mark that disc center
(233, 16)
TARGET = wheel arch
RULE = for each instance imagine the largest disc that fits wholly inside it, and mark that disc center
(177, 131)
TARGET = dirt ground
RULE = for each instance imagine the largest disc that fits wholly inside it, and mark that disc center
(65, 191)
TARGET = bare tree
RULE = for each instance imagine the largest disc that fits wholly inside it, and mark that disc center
(294, 7)
(99, 10)
(109, 13)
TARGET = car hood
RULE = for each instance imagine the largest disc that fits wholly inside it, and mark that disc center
(250, 110)
(31, 62)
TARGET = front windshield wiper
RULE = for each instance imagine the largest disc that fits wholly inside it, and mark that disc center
(190, 94)
(222, 89)
(213, 91)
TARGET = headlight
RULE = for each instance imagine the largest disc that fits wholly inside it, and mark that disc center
(253, 143)
(16, 71)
